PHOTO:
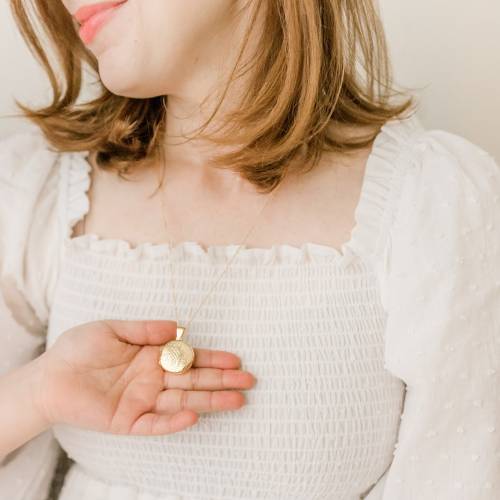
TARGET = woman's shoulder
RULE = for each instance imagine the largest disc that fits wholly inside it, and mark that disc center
(438, 155)
(26, 160)
(438, 173)
(29, 182)
(448, 176)
(443, 200)
(33, 171)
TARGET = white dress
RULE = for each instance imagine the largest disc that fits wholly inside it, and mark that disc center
(377, 364)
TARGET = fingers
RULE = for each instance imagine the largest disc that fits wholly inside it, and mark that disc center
(142, 332)
(155, 424)
(213, 379)
(175, 400)
(209, 358)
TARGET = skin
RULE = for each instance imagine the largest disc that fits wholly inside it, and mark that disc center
(185, 49)
(104, 375)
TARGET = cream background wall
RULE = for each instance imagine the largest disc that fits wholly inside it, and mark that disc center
(449, 49)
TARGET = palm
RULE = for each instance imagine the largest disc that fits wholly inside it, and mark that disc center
(105, 384)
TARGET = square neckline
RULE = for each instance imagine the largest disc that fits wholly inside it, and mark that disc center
(365, 235)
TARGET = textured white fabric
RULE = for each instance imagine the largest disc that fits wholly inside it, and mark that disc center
(29, 232)
(334, 337)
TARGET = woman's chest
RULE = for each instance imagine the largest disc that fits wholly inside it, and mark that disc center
(324, 408)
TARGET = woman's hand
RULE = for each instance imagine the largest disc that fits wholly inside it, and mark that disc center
(105, 376)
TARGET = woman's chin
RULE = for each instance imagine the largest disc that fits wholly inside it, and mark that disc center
(119, 79)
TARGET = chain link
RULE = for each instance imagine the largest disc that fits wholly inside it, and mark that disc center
(227, 265)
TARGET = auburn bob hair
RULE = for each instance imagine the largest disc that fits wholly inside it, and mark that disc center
(317, 63)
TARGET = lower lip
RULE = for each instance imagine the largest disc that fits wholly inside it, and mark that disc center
(91, 26)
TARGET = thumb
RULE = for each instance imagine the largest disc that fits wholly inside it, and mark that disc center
(144, 332)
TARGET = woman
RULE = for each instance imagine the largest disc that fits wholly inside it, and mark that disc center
(363, 308)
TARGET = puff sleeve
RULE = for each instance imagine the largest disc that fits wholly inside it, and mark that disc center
(29, 235)
(441, 286)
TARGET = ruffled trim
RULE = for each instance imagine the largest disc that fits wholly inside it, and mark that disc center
(282, 253)
(384, 172)
(75, 183)
(371, 216)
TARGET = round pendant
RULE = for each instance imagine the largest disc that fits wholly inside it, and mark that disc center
(177, 356)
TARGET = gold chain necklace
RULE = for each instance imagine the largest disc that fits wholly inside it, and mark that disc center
(177, 356)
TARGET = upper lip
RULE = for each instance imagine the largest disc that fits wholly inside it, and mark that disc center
(83, 13)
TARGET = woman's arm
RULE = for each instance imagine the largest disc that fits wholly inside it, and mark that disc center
(21, 419)
(29, 234)
(442, 290)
